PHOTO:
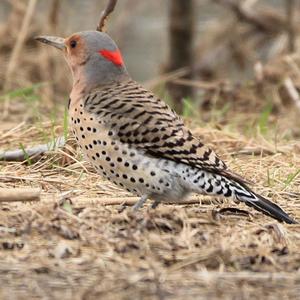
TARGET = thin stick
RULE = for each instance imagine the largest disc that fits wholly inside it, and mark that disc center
(164, 78)
(290, 13)
(19, 195)
(292, 91)
(132, 200)
(197, 84)
(19, 43)
(105, 14)
(250, 277)
(263, 22)
(21, 154)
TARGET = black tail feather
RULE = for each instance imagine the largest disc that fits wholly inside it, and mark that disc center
(266, 207)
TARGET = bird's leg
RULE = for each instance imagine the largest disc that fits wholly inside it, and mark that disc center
(155, 204)
(140, 203)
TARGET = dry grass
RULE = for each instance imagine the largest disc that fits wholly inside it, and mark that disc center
(71, 246)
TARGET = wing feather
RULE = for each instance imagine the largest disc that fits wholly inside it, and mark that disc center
(137, 117)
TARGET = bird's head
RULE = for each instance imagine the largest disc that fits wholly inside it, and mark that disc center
(92, 56)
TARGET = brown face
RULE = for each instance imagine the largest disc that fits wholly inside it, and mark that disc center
(75, 51)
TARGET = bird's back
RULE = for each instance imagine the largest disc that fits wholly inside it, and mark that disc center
(137, 117)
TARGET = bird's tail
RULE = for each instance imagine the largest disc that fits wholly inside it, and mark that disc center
(243, 193)
(263, 205)
(231, 185)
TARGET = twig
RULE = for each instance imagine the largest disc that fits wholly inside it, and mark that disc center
(290, 60)
(75, 218)
(197, 84)
(292, 91)
(132, 200)
(164, 78)
(19, 43)
(249, 277)
(21, 155)
(105, 14)
(19, 194)
(290, 13)
(266, 21)
(54, 13)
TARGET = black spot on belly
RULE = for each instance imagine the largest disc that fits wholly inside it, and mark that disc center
(210, 188)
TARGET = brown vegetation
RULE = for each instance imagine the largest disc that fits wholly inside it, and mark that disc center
(82, 241)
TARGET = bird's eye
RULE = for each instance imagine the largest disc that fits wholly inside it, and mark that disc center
(73, 44)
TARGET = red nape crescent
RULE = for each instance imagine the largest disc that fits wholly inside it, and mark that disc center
(113, 56)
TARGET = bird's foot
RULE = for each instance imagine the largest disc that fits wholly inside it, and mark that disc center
(155, 204)
(140, 203)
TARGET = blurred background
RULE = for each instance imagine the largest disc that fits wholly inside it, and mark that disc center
(220, 61)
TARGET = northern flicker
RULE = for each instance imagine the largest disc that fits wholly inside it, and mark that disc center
(134, 139)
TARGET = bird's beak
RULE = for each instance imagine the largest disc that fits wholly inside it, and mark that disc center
(54, 41)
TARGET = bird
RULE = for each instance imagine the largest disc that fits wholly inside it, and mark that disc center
(134, 139)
